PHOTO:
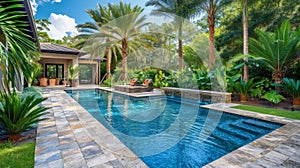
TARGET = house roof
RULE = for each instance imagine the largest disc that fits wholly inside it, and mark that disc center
(59, 49)
(88, 57)
(27, 18)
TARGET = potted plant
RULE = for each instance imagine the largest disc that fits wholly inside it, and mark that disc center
(65, 82)
(292, 87)
(73, 72)
(57, 81)
(43, 81)
(31, 77)
(243, 88)
(52, 81)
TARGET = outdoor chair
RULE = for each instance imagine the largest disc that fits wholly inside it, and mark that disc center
(133, 81)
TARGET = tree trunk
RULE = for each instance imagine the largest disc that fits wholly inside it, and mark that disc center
(278, 76)
(211, 23)
(245, 32)
(108, 62)
(124, 58)
(180, 53)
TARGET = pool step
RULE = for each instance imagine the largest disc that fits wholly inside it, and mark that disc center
(227, 140)
(250, 129)
(236, 132)
(261, 124)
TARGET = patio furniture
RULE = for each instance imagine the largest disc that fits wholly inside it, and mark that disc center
(133, 81)
(145, 87)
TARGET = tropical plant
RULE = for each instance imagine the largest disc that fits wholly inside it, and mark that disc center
(107, 83)
(278, 51)
(178, 10)
(243, 88)
(292, 87)
(31, 77)
(19, 113)
(16, 46)
(159, 80)
(73, 72)
(264, 15)
(33, 90)
(202, 76)
(273, 96)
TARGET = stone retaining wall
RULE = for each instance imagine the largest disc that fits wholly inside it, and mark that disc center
(203, 95)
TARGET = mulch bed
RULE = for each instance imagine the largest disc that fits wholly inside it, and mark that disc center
(27, 136)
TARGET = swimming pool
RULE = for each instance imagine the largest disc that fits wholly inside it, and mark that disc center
(170, 131)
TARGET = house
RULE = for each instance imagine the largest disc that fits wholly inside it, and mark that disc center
(55, 60)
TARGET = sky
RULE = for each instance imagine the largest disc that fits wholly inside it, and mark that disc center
(66, 14)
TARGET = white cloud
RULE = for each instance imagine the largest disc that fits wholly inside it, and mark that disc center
(36, 3)
(34, 6)
(61, 25)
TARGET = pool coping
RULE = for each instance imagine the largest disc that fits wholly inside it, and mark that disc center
(72, 137)
(276, 149)
(279, 148)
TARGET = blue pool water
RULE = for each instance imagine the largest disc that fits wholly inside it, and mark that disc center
(169, 131)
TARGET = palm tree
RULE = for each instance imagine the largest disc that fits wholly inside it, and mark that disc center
(212, 7)
(17, 48)
(101, 16)
(278, 50)
(245, 33)
(179, 10)
(124, 33)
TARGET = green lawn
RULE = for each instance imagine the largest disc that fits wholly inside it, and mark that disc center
(21, 156)
(271, 111)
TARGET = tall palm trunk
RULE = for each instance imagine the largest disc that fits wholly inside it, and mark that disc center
(245, 31)
(211, 23)
(180, 57)
(124, 58)
(108, 62)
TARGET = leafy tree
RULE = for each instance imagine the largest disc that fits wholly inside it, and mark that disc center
(278, 50)
(264, 14)
(178, 10)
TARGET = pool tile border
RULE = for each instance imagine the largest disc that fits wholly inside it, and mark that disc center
(280, 148)
(71, 137)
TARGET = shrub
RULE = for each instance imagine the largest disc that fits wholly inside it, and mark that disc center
(292, 87)
(273, 96)
(243, 88)
(107, 82)
(19, 113)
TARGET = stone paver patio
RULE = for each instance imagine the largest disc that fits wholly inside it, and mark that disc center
(71, 137)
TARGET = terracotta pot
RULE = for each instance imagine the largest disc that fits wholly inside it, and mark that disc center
(243, 98)
(43, 81)
(75, 83)
(52, 82)
(65, 82)
(296, 101)
(57, 81)
(14, 137)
